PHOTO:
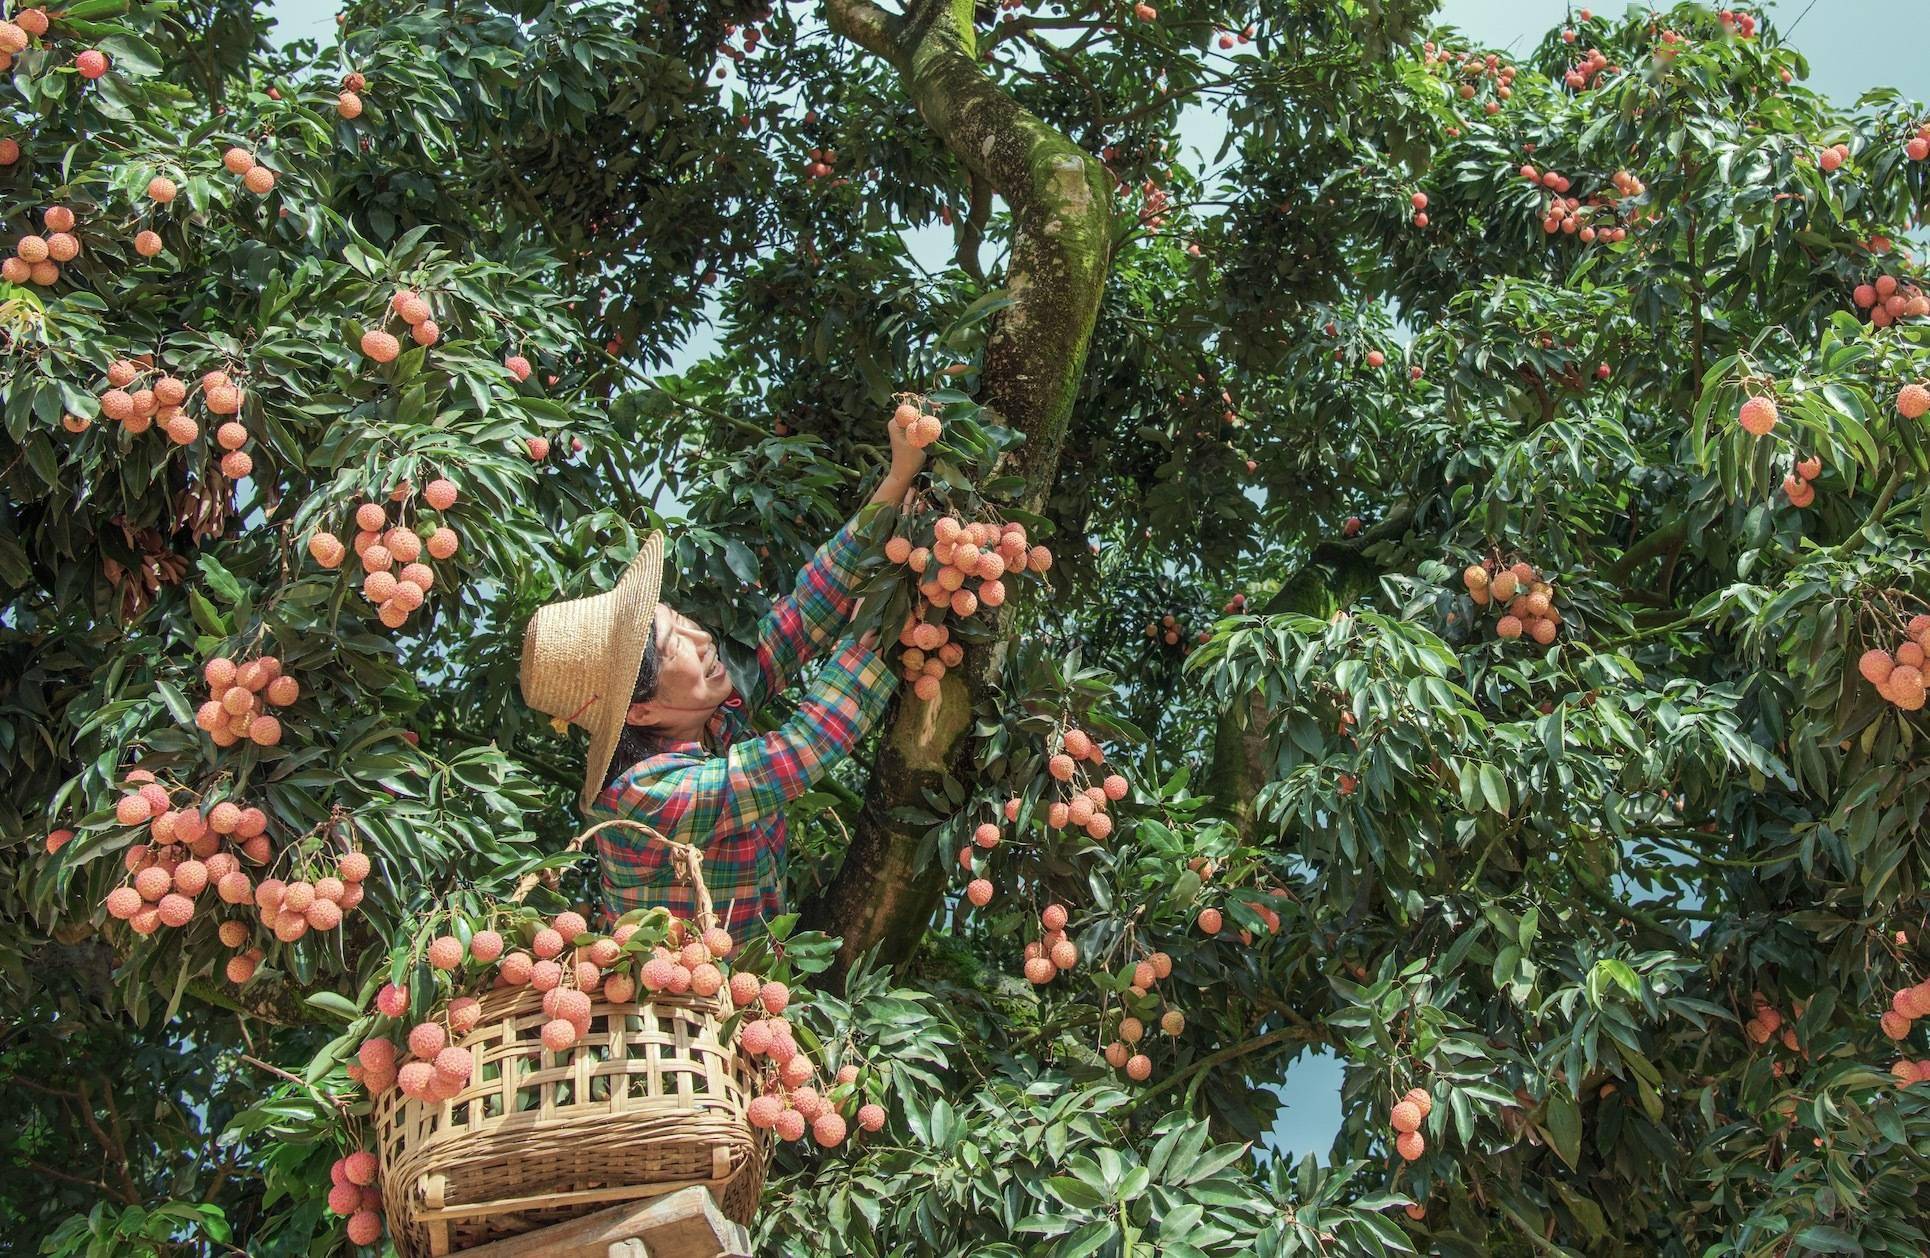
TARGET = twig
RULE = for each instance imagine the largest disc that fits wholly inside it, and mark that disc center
(110, 1148)
(1875, 518)
(75, 1179)
(326, 1098)
(1225, 1055)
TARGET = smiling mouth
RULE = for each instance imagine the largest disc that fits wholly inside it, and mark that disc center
(716, 667)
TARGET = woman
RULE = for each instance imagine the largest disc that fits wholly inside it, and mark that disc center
(671, 743)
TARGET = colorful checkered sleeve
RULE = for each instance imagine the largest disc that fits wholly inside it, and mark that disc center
(813, 615)
(731, 806)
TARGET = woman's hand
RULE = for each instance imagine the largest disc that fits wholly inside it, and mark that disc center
(907, 460)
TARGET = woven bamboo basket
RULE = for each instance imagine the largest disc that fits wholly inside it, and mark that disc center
(650, 1101)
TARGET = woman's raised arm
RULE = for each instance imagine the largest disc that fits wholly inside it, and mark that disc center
(820, 605)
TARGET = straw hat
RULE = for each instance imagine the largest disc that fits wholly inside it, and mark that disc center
(581, 656)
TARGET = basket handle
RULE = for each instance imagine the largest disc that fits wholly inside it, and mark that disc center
(686, 858)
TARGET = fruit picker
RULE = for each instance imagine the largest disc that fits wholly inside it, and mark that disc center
(671, 738)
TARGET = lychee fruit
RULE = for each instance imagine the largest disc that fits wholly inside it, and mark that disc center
(392, 1001)
(1758, 416)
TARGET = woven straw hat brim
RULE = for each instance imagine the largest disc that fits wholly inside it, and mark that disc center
(580, 658)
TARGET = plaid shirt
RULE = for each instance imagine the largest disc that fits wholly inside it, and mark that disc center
(731, 805)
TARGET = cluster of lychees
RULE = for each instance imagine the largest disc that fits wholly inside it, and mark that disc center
(822, 164)
(36, 259)
(794, 1097)
(1766, 1025)
(257, 178)
(1799, 485)
(1153, 204)
(1406, 1118)
(1053, 953)
(30, 24)
(1898, 675)
(1526, 601)
(1917, 147)
(1476, 70)
(1126, 1051)
(239, 692)
(1890, 300)
(395, 580)
(1081, 803)
(1906, 1006)
(751, 36)
(139, 397)
(26, 26)
(413, 309)
(183, 855)
(1170, 630)
(979, 552)
(1580, 76)
(1589, 220)
(353, 1195)
(348, 103)
(1736, 22)
(308, 901)
(1083, 796)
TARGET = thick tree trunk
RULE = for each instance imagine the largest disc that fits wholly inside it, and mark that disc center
(1239, 764)
(1061, 202)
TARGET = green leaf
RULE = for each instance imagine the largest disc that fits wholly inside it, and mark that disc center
(220, 580)
(1564, 1127)
(335, 1004)
(1494, 788)
(210, 620)
(1075, 1193)
(1825, 1239)
(175, 702)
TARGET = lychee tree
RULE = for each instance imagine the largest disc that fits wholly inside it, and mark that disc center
(1482, 636)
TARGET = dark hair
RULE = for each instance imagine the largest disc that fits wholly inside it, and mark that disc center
(637, 742)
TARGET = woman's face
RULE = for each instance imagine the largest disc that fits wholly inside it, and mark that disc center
(691, 680)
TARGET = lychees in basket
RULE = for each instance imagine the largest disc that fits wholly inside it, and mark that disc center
(424, 1054)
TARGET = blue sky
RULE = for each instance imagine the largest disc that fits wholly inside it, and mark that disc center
(1852, 45)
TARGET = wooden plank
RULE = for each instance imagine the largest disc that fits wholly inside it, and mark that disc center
(578, 1197)
(685, 1224)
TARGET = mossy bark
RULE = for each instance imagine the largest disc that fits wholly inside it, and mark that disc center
(1060, 199)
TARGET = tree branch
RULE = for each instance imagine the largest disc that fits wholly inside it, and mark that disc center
(868, 26)
(82, 1180)
(883, 895)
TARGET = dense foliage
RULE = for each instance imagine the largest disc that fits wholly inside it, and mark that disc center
(1622, 879)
